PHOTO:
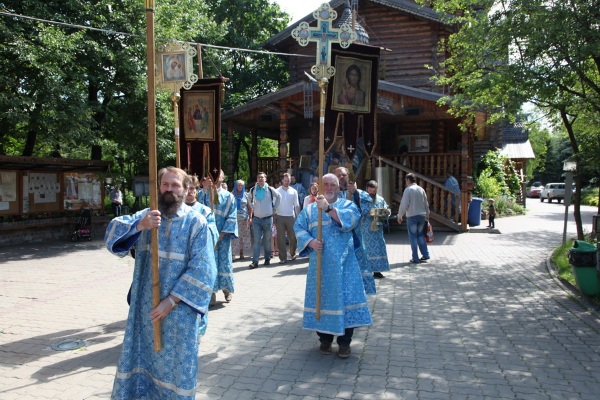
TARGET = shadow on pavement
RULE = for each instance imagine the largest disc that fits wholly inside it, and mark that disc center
(46, 250)
(37, 347)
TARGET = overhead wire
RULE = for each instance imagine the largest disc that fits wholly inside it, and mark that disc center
(113, 32)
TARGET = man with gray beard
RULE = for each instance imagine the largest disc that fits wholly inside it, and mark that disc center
(343, 300)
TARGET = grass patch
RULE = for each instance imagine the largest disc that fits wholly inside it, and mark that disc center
(560, 259)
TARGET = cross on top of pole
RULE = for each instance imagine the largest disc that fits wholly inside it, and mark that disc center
(324, 35)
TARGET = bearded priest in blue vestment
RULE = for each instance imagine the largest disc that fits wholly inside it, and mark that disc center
(187, 272)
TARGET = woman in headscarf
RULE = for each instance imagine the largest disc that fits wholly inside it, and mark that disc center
(313, 190)
(241, 201)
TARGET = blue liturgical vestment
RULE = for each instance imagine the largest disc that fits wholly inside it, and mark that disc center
(361, 255)
(226, 219)
(373, 243)
(212, 229)
(210, 219)
(187, 270)
(343, 299)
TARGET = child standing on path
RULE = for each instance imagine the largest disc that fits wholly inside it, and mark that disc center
(492, 214)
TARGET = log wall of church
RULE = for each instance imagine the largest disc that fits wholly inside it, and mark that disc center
(413, 43)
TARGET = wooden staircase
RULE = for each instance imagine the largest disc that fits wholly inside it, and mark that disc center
(440, 198)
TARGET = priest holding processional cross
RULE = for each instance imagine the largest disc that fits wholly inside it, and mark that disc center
(334, 280)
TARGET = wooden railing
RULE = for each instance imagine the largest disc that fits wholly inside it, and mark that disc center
(446, 207)
(433, 165)
(270, 166)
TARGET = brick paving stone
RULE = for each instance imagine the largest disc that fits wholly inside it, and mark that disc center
(484, 319)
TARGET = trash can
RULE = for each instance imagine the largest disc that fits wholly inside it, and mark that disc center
(582, 258)
(474, 216)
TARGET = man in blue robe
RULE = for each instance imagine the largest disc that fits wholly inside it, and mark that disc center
(349, 191)
(191, 200)
(372, 241)
(299, 188)
(225, 211)
(343, 300)
(187, 274)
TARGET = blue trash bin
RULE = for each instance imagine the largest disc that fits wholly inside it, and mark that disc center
(474, 217)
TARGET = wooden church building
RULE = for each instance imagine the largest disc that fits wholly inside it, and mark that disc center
(405, 130)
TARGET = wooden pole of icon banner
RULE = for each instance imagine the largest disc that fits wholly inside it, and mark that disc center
(200, 69)
(153, 174)
(175, 97)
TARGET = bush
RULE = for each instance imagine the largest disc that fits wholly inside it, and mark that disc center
(495, 175)
(487, 187)
(589, 196)
(506, 205)
(559, 257)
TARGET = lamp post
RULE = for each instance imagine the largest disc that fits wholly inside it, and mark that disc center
(569, 167)
(121, 162)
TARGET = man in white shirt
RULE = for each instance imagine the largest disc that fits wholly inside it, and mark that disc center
(288, 210)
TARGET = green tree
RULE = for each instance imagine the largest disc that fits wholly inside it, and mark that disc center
(590, 158)
(507, 53)
(558, 151)
(247, 24)
(77, 87)
(41, 90)
(538, 137)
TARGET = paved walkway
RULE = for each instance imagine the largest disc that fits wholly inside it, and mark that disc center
(482, 320)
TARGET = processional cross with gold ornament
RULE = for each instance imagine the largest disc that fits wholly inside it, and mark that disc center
(324, 36)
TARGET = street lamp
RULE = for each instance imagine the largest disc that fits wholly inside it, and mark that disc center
(121, 162)
(108, 178)
(569, 167)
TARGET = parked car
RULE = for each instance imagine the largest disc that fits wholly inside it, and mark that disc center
(535, 189)
(553, 191)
